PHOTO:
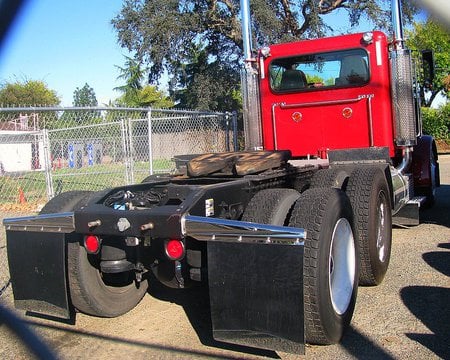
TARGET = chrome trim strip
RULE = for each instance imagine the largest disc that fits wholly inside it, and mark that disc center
(274, 126)
(233, 231)
(320, 103)
(378, 53)
(59, 223)
(369, 105)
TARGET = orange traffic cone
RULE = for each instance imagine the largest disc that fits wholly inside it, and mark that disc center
(22, 199)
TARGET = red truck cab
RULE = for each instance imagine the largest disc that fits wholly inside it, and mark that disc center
(327, 94)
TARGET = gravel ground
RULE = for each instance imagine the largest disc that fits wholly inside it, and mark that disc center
(406, 317)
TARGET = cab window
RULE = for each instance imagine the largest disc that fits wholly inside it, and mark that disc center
(319, 71)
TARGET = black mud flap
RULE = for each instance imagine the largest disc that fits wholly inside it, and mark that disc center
(38, 272)
(256, 295)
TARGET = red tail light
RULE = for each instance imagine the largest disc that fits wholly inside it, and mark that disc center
(92, 244)
(175, 249)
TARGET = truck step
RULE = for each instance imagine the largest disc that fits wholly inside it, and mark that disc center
(408, 215)
(420, 200)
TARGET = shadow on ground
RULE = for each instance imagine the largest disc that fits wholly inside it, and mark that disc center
(439, 213)
(195, 302)
(362, 347)
(430, 305)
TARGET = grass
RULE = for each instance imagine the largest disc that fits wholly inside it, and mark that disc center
(95, 177)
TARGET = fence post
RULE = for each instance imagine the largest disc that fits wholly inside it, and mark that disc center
(227, 131)
(47, 164)
(150, 152)
(235, 132)
(130, 151)
(123, 128)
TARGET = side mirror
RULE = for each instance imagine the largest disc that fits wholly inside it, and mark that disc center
(428, 67)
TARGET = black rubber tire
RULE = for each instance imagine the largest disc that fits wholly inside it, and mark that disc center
(369, 195)
(89, 291)
(92, 294)
(271, 206)
(320, 212)
(329, 178)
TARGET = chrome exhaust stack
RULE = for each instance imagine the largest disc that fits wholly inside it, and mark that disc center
(403, 97)
(250, 86)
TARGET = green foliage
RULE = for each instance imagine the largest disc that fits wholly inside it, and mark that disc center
(133, 74)
(198, 43)
(148, 96)
(134, 94)
(431, 36)
(206, 84)
(436, 122)
(84, 96)
(27, 93)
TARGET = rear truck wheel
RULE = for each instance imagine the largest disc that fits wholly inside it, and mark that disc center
(91, 291)
(330, 265)
(271, 206)
(370, 198)
(329, 178)
(97, 293)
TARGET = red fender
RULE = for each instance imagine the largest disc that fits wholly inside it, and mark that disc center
(423, 153)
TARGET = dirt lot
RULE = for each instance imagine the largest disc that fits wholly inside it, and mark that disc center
(406, 317)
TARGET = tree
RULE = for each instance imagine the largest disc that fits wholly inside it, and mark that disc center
(431, 36)
(148, 96)
(164, 33)
(84, 96)
(205, 84)
(133, 74)
(161, 32)
(27, 93)
(134, 93)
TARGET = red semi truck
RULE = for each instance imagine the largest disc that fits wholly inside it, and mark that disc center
(283, 233)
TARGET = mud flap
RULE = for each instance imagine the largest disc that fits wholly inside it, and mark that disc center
(256, 295)
(38, 272)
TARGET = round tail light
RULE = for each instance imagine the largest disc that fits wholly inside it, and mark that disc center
(175, 249)
(92, 244)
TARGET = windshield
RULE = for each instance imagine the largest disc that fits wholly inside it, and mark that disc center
(318, 71)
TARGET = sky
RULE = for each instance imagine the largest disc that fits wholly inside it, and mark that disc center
(67, 44)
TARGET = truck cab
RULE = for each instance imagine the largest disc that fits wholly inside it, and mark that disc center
(327, 94)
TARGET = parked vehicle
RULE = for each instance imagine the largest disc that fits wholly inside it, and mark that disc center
(282, 233)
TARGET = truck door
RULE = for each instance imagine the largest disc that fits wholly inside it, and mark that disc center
(324, 104)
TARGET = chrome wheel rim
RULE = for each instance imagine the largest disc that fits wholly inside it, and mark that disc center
(342, 266)
(381, 229)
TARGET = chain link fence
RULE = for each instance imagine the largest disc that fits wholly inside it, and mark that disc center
(46, 151)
